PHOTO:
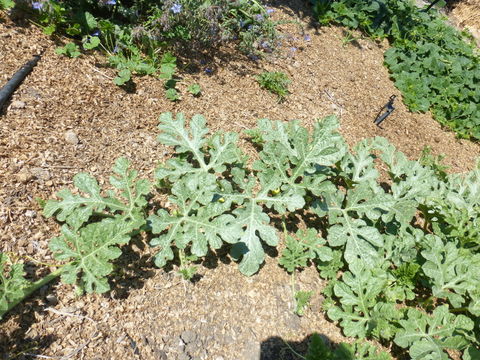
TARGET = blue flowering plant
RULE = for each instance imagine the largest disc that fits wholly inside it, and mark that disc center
(135, 34)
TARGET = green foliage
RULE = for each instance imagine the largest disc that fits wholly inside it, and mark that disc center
(302, 299)
(275, 82)
(6, 4)
(319, 350)
(400, 259)
(122, 77)
(71, 50)
(90, 245)
(134, 34)
(195, 89)
(12, 283)
(435, 66)
(427, 336)
(307, 247)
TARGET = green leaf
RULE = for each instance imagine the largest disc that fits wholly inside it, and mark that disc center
(210, 154)
(306, 246)
(450, 270)
(172, 94)
(91, 42)
(358, 294)
(122, 77)
(90, 252)
(7, 4)
(12, 283)
(361, 240)
(199, 221)
(256, 228)
(194, 89)
(76, 210)
(427, 336)
(302, 298)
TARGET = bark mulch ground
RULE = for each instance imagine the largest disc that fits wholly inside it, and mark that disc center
(68, 117)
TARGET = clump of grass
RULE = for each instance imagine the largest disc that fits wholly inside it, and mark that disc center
(275, 82)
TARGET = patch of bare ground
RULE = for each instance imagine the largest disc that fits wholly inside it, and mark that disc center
(152, 314)
(466, 15)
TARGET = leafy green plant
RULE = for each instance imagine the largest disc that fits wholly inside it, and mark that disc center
(319, 350)
(122, 77)
(6, 4)
(134, 34)
(398, 258)
(435, 66)
(275, 82)
(195, 89)
(71, 50)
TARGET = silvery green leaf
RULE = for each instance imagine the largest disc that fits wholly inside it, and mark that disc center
(76, 210)
(90, 251)
(12, 283)
(450, 270)
(427, 336)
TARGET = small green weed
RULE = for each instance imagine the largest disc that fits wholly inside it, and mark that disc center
(71, 50)
(275, 82)
(195, 89)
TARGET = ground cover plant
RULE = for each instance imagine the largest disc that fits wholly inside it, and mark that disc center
(399, 255)
(436, 67)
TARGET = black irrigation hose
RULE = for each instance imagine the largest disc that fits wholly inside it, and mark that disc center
(17, 78)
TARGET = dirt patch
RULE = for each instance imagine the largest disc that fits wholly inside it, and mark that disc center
(466, 15)
(69, 117)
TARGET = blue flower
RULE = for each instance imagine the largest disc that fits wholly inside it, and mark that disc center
(259, 17)
(208, 70)
(269, 11)
(111, 2)
(176, 8)
(307, 37)
(96, 33)
(293, 49)
(37, 5)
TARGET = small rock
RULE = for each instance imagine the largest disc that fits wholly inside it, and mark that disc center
(292, 322)
(218, 358)
(24, 177)
(40, 173)
(17, 104)
(52, 299)
(71, 137)
(30, 213)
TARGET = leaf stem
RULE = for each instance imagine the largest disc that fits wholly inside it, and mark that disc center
(32, 288)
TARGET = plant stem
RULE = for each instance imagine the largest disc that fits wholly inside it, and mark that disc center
(32, 288)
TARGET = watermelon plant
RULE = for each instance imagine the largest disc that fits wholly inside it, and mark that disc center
(400, 257)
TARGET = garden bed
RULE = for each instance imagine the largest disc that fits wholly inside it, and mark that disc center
(68, 117)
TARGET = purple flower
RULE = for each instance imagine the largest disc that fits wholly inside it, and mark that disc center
(253, 57)
(37, 5)
(176, 8)
(293, 49)
(259, 17)
(208, 70)
(307, 37)
(96, 33)
(111, 2)
(269, 11)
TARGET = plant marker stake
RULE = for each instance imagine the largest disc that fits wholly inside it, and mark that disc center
(17, 78)
(389, 107)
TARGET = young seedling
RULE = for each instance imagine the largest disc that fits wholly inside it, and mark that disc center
(275, 82)
(305, 247)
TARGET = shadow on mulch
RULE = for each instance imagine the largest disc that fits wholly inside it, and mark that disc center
(133, 268)
(18, 343)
